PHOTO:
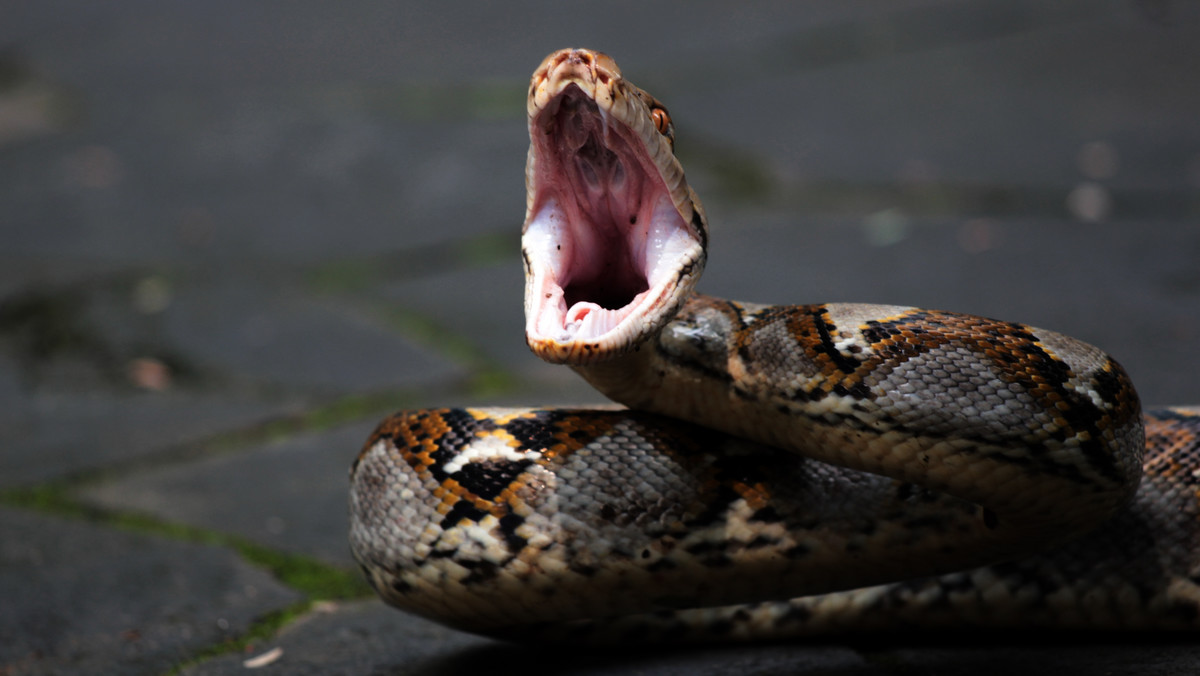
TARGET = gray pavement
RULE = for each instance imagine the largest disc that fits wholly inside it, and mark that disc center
(234, 236)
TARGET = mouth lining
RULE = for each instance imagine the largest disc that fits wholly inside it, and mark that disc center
(603, 180)
(604, 240)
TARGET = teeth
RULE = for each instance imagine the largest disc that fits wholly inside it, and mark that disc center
(587, 321)
(574, 322)
(576, 314)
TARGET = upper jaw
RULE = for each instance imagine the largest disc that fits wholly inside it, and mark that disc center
(613, 238)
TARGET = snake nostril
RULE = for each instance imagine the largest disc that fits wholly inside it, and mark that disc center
(578, 57)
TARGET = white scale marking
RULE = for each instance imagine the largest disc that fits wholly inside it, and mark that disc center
(843, 346)
(488, 448)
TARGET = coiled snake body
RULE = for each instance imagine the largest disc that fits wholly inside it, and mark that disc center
(944, 469)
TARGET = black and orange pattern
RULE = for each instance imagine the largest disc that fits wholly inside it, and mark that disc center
(584, 475)
(894, 452)
(1091, 401)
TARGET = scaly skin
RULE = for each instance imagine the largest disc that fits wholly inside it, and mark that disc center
(921, 442)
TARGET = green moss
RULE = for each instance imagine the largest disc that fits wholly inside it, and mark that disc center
(263, 629)
(486, 377)
(344, 276)
(358, 278)
(492, 382)
(489, 247)
(356, 407)
(738, 175)
(314, 578)
(428, 332)
(340, 411)
(50, 498)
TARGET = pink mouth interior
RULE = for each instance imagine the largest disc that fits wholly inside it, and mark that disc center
(600, 181)
(604, 237)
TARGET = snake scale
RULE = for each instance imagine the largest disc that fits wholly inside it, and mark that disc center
(779, 471)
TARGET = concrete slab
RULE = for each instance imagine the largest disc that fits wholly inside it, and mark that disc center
(1005, 93)
(47, 435)
(269, 332)
(367, 637)
(290, 495)
(364, 637)
(370, 638)
(81, 599)
(483, 304)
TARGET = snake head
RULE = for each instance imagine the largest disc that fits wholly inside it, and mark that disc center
(614, 238)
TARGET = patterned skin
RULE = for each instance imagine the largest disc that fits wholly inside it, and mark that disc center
(921, 443)
(524, 524)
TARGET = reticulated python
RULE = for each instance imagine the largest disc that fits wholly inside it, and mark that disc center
(922, 443)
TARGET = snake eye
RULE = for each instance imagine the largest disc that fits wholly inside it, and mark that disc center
(662, 121)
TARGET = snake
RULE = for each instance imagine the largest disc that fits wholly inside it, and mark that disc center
(765, 472)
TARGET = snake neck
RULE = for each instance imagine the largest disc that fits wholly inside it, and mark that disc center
(682, 370)
(831, 383)
(629, 379)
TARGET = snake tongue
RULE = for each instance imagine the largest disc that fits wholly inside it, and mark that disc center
(608, 255)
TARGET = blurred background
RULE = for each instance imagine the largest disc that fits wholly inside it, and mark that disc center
(234, 235)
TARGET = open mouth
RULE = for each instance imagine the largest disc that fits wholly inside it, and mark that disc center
(606, 249)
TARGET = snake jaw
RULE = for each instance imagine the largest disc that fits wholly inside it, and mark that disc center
(613, 238)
